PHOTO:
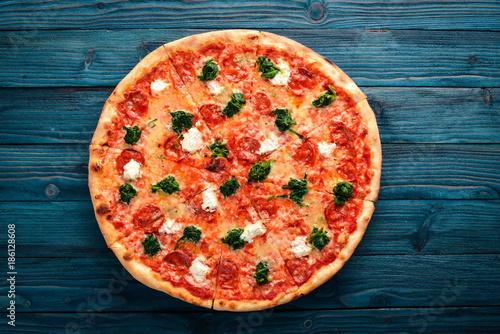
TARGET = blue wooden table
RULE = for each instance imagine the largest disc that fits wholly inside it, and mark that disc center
(430, 259)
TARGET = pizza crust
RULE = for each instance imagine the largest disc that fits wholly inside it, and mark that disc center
(148, 277)
(376, 149)
(254, 305)
(102, 205)
(322, 63)
(237, 36)
(327, 272)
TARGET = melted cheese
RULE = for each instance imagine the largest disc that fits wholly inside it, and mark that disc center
(199, 269)
(326, 149)
(169, 227)
(214, 87)
(300, 247)
(192, 140)
(131, 171)
(281, 79)
(158, 85)
(210, 202)
(253, 230)
(268, 145)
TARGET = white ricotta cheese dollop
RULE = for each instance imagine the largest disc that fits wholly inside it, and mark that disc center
(268, 145)
(214, 87)
(131, 171)
(169, 227)
(192, 140)
(158, 85)
(199, 269)
(252, 231)
(210, 202)
(281, 79)
(300, 247)
(326, 149)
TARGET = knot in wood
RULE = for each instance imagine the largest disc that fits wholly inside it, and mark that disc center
(317, 11)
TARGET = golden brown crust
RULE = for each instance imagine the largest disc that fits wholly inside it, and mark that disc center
(147, 276)
(101, 203)
(376, 149)
(237, 36)
(322, 63)
(254, 305)
(324, 274)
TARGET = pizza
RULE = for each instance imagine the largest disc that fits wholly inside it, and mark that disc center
(236, 170)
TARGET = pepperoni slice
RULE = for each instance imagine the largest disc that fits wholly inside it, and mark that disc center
(184, 64)
(126, 156)
(218, 165)
(341, 217)
(305, 153)
(178, 259)
(262, 103)
(339, 135)
(232, 71)
(212, 114)
(149, 217)
(228, 274)
(203, 214)
(347, 169)
(173, 149)
(301, 81)
(135, 104)
(247, 149)
(268, 206)
(299, 270)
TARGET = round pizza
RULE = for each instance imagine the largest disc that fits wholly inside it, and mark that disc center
(235, 170)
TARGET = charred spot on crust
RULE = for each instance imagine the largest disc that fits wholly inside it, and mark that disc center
(102, 209)
(98, 196)
(96, 167)
(254, 37)
(128, 256)
(328, 60)
(297, 296)
(99, 150)
(221, 303)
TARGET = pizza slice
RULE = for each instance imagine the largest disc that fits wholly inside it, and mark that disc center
(180, 257)
(139, 190)
(344, 149)
(297, 82)
(219, 70)
(314, 235)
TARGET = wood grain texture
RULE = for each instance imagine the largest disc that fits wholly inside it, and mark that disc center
(409, 320)
(467, 15)
(409, 171)
(404, 114)
(62, 284)
(398, 227)
(380, 58)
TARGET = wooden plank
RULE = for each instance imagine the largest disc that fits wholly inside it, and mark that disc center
(63, 284)
(447, 15)
(398, 227)
(381, 58)
(409, 171)
(404, 114)
(430, 320)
